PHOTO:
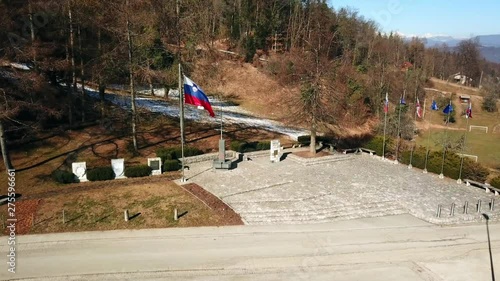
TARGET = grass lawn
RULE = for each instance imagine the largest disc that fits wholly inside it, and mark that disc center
(485, 145)
(152, 204)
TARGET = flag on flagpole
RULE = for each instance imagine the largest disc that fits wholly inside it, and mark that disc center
(419, 109)
(468, 113)
(194, 95)
(402, 101)
(386, 103)
(434, 105)
(448, 109)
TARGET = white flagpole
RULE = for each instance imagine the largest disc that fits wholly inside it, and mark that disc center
(181, 94)
(385, 122)
(399, 125)
(428, 138)
(459, 181)
(181, 105)
(444, 141)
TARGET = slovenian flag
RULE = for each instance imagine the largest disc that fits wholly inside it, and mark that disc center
(468, 113)
(386, 103)
(195, 96)
(419, 109)
(434, 105)
(448, 109)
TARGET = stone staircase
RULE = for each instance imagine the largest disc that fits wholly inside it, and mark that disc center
(322, 215)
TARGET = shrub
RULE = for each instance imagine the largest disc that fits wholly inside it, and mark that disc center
(138, 171)
(306, 139)
(474, 171)
(495, 182)
(171, 165)
(63, 176)
(490, 103)
(100, 174)
(173, 153)
(263, 145)
(237, 145)
(376, 144)
(243, 146)
(418, 159)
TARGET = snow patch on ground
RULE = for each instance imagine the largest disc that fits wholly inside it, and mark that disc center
(230, 114)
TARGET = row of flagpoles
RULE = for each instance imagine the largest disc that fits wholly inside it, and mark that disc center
(419, 113)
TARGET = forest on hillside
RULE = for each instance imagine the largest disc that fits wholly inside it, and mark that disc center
(342, 62)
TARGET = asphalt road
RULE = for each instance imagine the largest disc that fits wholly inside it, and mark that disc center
(385, 248)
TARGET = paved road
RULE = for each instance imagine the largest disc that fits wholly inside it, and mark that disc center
(386, 248)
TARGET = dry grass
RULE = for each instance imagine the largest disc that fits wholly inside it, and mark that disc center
(454, 88)
(153, 205)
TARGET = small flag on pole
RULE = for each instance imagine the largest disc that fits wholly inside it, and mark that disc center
(468, 113)
(448, 109)
(194, 95)
(402, 101)
(434, 105)
(419, 109)
(386, 103)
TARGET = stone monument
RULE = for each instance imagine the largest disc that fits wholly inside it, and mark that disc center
(276, 151)
(118, 166)
(220, 162)
(80, 171)
(155, 164)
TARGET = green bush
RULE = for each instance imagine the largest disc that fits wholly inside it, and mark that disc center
(418, 159)
(237, 146)
(242, 146)
(171, 165)
(306, 139)
(138, 171)
(263, 145)
(474, 171)
(173, 153)
(376, 144)
(495, 182)
(100, 174)
(63, 177)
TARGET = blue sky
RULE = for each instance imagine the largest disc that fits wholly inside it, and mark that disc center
(458, 18)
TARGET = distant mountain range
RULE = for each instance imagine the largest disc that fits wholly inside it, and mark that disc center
(490, 44)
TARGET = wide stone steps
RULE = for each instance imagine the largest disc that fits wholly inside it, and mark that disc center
(345, 212)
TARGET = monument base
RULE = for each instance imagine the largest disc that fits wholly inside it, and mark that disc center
(218, 164)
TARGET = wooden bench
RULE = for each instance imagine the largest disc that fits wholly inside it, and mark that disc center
(486, 187)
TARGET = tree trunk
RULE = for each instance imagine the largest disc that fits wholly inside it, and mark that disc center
(312, 147)
(32, 29)
(132, 88)
(102, 87)
(4, 149)
(73, 67)
(82, 72)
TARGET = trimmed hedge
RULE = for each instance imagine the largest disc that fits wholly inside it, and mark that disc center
(376, 144)
(64, 177)
(173, 153)
(100, 174)
(470, 169)
(138, 171)
(495, 182)
(243, 146)
(171, 165)
(306, 139)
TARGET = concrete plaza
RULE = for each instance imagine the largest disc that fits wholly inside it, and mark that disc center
(341, 187)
